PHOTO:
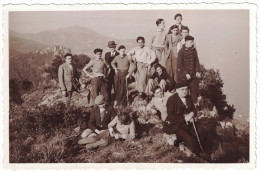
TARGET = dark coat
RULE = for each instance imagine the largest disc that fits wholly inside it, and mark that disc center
(188, 63)
(95, 120)
(164, 76)
(176, 111)
(109, 59)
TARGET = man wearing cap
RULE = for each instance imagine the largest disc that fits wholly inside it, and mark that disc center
(181, 111)
(100, 117)
(68, 78)
(144, 57)
(99, 70)
(109, 57)
(189, 67)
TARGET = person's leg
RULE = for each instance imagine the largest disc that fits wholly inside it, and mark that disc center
(189, 141)
(103, 89)
(143, 78)
(163, 85)
(194, 89)
(94, 86)
(86, 133)
(151, 83)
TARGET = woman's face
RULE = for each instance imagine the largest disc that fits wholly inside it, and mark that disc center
(175, 31)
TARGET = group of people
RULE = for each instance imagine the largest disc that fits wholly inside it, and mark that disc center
(168, 72)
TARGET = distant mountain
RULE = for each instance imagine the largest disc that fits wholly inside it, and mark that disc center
(78, 39)
(19, 45)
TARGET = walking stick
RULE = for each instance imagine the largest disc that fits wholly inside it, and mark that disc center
(197, 135)
(127, 92)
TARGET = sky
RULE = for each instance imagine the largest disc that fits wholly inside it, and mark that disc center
(222, 37)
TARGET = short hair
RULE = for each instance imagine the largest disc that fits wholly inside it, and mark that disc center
(155, 88)
(159, 21)
(189, 38)
(185, 28)
(67, 54)
(140, 38)
(177, 15)
(172, 27)
(98, 50)
(123, 115)
(121, 47)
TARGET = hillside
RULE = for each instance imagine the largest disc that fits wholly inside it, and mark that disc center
(79, 39)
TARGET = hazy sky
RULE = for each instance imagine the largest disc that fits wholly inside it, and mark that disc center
(222, 37)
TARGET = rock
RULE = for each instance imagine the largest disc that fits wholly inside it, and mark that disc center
(77, 129)
(170, 139)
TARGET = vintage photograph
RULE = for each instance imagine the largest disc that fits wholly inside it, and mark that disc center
(129, 86)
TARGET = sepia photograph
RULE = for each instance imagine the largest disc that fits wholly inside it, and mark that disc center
(151, 85)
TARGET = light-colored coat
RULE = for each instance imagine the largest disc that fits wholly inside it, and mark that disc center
(68, 77)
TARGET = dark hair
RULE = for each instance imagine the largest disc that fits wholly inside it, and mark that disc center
(67, 54)
(177, 15)
(159, 21)
(155, 88)
(124, 115)
(157, 66)
(140, 38)
(98, 50)
(121, 47)
(172, 27)
(189, 38)
(185, 28)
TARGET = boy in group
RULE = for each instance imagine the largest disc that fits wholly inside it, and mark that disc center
(158, 42)
(99, 70)
(189, 67)
(159, 101)
(121, 64)
(178, 20)
(68, 78)
(184, 32)
(159, 78)
(144, 57)
(97, 132)
(109, 57)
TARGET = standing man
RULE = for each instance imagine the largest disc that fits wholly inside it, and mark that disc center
(178, 20)
(144, 57)
(68, 78)
(109, 57)
(189, 67)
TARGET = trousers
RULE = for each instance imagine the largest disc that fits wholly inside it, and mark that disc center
(99, 87)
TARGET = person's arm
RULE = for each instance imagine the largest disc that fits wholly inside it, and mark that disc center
(92, 122)
(197, 62)
(132, 130)
(113, 64)
(113, 122)
(152, 55)
(170, 80)
(131, 53)
(61, 79)
(152, 39)
(173, 114)
(90, 64)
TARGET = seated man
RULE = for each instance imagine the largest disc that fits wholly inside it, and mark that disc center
(159, 101)
(181, 113)
(100, 117)
(161, 78)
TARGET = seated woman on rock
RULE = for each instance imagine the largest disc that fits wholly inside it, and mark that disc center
(122, 126)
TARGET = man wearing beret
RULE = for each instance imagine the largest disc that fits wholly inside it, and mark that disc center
(68, 78)
(100, 117)
(180, 114)
(100, 69)
(109, 57)
(189, 67)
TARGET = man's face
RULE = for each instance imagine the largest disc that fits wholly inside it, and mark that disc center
(102, 105)
(175, 31)
(158, 93)
(159, 70)
(122, 52)
(112, 48)
(184, 33)
(161, 25)
(178, 20)
(98, 55)
(68, 59)
(140, 43)
(189, 43)
(182, 92)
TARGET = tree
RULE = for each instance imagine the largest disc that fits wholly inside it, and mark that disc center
(211, 86)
